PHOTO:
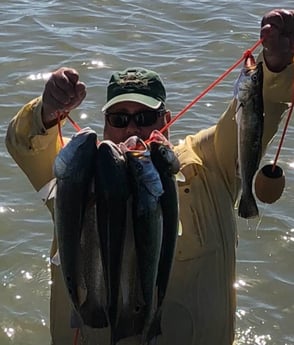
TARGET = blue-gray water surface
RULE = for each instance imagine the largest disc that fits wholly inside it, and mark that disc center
(190, 43)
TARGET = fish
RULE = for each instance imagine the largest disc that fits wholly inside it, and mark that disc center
(132, 312)
(250, 122)
(73, 169)
(168, 165)
(93, 309)
(146, 189)
(112, 193)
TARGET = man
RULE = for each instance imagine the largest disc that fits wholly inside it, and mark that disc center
(200, 304)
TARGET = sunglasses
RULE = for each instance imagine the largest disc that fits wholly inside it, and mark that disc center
(143, 118)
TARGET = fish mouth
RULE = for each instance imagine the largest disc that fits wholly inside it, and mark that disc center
(134, 144)
(249, 61)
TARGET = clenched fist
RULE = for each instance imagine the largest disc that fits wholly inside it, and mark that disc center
(63, 92)
(277, 31)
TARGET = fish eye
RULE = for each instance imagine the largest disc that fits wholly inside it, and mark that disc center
(163, 151)
(254, 77)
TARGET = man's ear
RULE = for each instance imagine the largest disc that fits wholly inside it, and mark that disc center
(168, 116)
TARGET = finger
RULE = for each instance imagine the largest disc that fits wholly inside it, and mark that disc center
(63, 83)
(266, 31)
(72, 75)
(80, 95)
(74, 101)
(80, 88)
(283, 20)
(288, 21)
(270, 35)
(58, 94)
(274, 19)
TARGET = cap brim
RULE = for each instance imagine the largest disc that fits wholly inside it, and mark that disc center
(133, 97)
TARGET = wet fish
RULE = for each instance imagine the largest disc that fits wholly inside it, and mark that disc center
(147, 220)
(132, 312)
(168, 165)
(73, 169)
(250, 119)
(112, 192)
(93, 308)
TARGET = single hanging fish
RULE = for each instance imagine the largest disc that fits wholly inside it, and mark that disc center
(250, 119)
(168, 165)
(146, 189)
(73, 169)
(93, 309)
(112, 192)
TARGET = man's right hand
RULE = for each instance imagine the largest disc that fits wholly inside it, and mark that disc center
(63, 92)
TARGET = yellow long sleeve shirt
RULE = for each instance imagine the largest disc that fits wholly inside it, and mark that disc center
(200, 304)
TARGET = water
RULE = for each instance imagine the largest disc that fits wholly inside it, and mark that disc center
(190, 43)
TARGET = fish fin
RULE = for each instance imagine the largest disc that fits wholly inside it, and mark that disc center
(48, 191)
(93, 315)
(238, 111)
(129, 324)
(56, 259)
(248, 207)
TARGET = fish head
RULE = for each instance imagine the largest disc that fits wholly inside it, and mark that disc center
(135, 151)
(138, 162)
(162, 154)
(143, 172)
(249, 82)
(140, 165)
(110, 152)
(133, 143)
(164, 158)
(158, 137)
(82, 146)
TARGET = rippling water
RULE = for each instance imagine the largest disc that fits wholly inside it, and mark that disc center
(190, 43)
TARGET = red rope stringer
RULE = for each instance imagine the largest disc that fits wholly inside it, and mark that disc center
(284, 131)
(245, 55)
(75, 125)
(76, 336)
(59, 128)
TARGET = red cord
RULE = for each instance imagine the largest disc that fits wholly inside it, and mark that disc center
(76, 336)
(212, 85)
(59, 129)
(75, 125)
(284, 131)
(245, 55)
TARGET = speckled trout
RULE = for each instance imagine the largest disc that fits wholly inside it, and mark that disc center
(74, 171)
(112, 192)
(250, 119)
(146, 189)
(168, 165)
(93, 308)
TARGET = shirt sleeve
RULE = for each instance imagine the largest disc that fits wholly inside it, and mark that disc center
(277, 95)
(31, 145)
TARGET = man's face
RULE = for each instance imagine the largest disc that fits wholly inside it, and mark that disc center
(132, 111)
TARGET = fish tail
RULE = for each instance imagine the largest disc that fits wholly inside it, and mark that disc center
(93, 315)
(248, 207)
(113, 338)
(155, 326)
(75, 319)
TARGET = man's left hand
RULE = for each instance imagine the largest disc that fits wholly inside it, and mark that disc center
(277, 31)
